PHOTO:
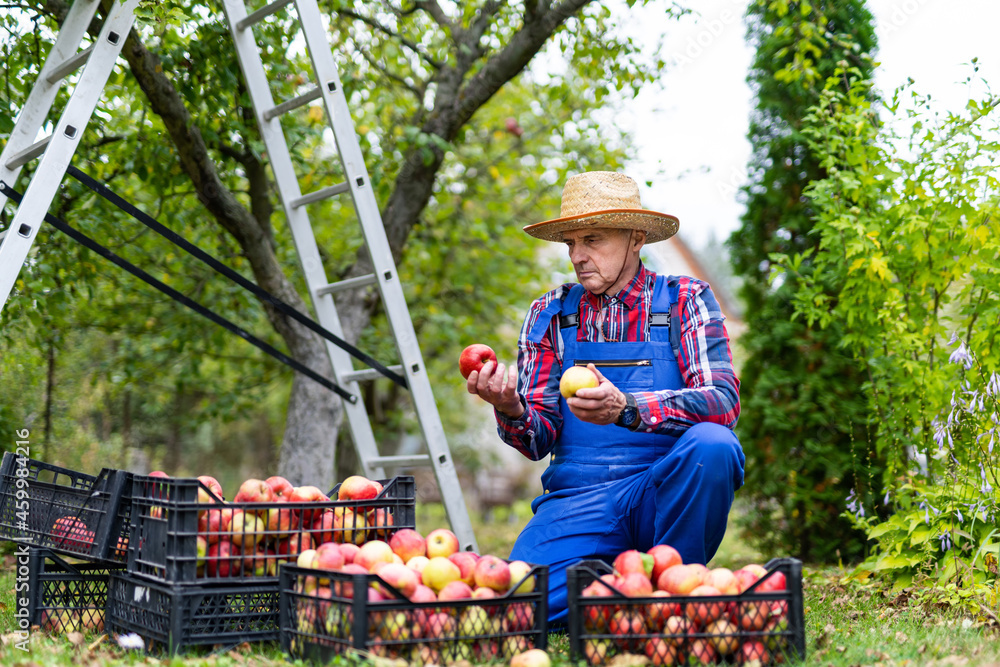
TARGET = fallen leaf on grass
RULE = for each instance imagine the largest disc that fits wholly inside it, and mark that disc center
(75, 638)
(97, 642)
(841, 649)
(902, 637)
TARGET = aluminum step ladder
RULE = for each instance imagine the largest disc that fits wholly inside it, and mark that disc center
(57, 151)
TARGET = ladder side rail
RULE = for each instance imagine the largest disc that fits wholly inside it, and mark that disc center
(379, 251)
(43, 94)
(65, 138)
(301, 228)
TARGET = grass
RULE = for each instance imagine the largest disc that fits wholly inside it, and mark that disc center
(847, 623)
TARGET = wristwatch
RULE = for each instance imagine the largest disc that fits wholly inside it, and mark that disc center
(629, 416)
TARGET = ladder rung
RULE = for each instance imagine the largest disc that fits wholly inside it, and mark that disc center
(399, 461)
(261, 14)
(71, 64)
(293, 103)
(28, 154)
(350, 283)
(368, 374)
(3, 234)
(321, 194)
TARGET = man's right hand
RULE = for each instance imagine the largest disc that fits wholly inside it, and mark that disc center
(491, 384)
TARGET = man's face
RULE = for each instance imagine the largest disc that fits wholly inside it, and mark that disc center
(598, 256)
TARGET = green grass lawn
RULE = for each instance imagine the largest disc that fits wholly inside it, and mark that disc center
(846, 623)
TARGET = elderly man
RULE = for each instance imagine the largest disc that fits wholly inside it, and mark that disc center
(648, 456)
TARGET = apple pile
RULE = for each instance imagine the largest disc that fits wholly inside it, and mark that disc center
(449, 616)
(670, 624)
(270, 521)
(77, 619)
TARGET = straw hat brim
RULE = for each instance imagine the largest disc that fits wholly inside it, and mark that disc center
(658, 226)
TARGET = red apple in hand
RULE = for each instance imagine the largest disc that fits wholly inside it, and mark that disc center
(474, 357)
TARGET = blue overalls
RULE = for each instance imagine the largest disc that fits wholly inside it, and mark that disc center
(607, 489)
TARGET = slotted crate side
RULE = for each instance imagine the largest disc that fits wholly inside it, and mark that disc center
(172, 619)
(64, 596)
(321, 620)
(764, 626)
(183, 541)
(70, 512)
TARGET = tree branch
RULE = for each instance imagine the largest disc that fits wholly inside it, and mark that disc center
(390, 33)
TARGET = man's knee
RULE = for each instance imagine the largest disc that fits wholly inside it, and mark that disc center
(708, 452)
(715, 443)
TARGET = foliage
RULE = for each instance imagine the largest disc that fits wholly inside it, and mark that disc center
(802, 418)
(133, 371)
(907, 267)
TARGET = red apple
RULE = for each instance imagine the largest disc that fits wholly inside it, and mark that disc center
(633, 561)
(441, 542)
(211, 484)
(255, 562)
(72, 533)
(408, 543)
(214, 524)
(455, 590)
(281, 488)
(323, 526)
(474, 357)
(635, 585)
(519, 617)
(702, 652)
(440, 625)
(753, 654)
(595, 616)
(350, 551)
(664, 556)
(703, 613)
(753, 614)
(745, 577)
(772, 582)
(492, 573)
(329, 557)
(677, 630)
(679, 579)
(221, 561)
(400, 577)
(662, 653)
(626, 624)
(357, 487)
(292, 546)
(307, 494)
(724, 580)
(657, 613)
(380, 523)
(349, 527)
(373, 552)
(254, 491)
(466, 563)
(248, 529)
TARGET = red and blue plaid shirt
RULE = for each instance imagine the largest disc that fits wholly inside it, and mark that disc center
(711, 393)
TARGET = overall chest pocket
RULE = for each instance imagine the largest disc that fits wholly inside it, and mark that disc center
(626, 374)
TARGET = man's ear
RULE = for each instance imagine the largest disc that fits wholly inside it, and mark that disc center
(638, 238)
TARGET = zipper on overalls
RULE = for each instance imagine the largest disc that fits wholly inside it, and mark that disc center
(615, 363)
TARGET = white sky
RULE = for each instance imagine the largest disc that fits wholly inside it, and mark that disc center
(692, 132)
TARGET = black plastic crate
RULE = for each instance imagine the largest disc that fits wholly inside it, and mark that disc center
(170, 526)
(69, 512)
(768, 627)
(173, 619)
(63, 595)
(321, 621)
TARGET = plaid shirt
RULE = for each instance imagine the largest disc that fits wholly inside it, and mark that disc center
(711, 393)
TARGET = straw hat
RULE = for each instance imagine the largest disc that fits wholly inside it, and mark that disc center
(604, 199)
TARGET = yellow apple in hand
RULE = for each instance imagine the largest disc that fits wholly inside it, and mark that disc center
(576, 378)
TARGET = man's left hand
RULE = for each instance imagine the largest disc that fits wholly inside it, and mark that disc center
(598, 405)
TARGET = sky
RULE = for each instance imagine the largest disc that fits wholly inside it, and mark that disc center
(691, 130)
